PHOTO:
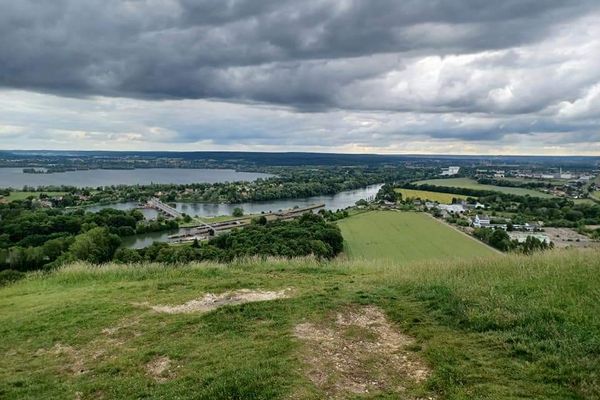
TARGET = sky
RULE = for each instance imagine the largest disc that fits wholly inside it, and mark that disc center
(351, 76)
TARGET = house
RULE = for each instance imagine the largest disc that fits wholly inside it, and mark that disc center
(452, 208)
(481, 221)
(527, 227)
(476, 205)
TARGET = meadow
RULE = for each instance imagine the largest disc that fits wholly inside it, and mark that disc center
(509, 327)
(468, 183)
(20, 195)
(442, 198)
(406, 236)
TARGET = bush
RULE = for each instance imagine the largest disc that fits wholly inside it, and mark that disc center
(9, 276)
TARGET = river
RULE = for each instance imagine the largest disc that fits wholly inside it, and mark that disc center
(15, 178)
(332, 202)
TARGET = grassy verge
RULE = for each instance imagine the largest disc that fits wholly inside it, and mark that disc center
(501, 328)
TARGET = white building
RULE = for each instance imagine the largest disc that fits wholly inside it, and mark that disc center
(450, 171)
(481, 221)
(452, 208)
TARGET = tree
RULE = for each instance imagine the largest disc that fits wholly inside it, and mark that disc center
(97, 245)
(362, 202)
(262, 220)
(238, 212)
(387, 193)
(127, 256)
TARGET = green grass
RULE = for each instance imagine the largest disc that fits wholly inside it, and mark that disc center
(406, 236)
(19, 195)
(443, 198)
(468, 183)
(510, 327)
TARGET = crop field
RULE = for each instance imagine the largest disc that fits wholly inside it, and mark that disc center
(443, 198)
(468, 183)
(406, 236)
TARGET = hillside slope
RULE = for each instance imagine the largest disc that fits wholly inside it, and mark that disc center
(502, 328)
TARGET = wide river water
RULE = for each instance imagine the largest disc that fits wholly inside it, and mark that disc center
(15, 178)
(332, 202)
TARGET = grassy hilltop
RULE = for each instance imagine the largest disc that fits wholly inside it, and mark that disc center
(495, 328)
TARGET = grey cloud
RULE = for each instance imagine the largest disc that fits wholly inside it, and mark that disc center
(247, 50)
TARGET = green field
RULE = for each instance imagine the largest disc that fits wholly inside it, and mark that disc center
(443, 198)
(468, 183)
(406, 236)
(19, 195)
(511, 327)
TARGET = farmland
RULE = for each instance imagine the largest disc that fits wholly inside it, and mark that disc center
(403, 237)
(468, 183)
(443, 198)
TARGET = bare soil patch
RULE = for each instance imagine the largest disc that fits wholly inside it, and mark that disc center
(74, 360)
(108, 344)
(210, 301)
(158, 369)
(360, 352)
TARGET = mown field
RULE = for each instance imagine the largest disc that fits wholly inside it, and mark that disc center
(505, 328)
(468, 183)
(442, 198)
(406, 236)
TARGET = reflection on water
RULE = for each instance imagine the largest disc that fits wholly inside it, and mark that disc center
(332, 202)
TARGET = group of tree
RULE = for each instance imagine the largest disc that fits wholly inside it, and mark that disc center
(32, 237)
(308, 235)
(553, 211)
(286, 183)
(387, 193)
(499, 239)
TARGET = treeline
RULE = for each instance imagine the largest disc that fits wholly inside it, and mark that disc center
(553, 211)
(451, 189)
(500, 240)
(288, 183)
(518, 184)
(32, 237)
(308, 235)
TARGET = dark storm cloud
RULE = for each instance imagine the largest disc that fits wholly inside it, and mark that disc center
(306, 54)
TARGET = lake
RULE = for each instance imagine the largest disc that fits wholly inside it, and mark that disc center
(332, 202)
(15, 178)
